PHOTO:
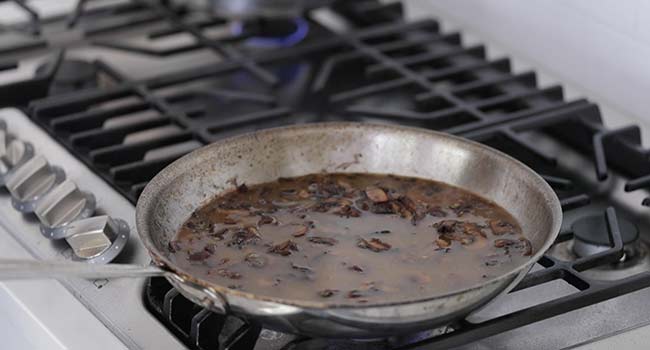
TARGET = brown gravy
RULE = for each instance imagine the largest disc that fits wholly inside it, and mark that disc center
(350, 238)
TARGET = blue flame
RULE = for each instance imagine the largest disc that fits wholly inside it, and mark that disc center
(302, 28)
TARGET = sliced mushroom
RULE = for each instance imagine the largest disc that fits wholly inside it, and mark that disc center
(348, 211)
(376, 194)
(199, 256)
(267, 220)
(229, 274)
(326, 293)
(442, 243)
(528, 247)
(501, 243)
(285, 248)
(256, 260)
(323, 240)
(437, 212)
(355, 268)
(300, 230)
(473, 229)
(445, 226)
(355, 294)
(500, 227)
(244, 236)
(375, 244)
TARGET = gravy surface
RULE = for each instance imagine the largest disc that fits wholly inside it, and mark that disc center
(349, 238)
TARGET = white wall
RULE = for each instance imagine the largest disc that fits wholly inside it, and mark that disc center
(600, 46)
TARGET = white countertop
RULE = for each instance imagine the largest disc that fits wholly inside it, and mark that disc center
(32, 319)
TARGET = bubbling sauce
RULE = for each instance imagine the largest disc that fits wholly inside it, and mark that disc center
(349, 238)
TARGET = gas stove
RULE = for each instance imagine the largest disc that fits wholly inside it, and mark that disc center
(98, 96)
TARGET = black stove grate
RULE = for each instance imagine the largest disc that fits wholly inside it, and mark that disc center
(197, 327)
(437, 82)
(34, 24)
(430, 79)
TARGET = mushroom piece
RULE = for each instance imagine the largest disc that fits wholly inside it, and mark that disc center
(285, 248)
(376, 194)
(375, 244)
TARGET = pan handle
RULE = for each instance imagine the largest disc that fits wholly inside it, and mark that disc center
(19, 269)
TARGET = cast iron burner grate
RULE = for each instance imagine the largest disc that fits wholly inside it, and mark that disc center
(431, 79)
(197, 327)
(379, 69)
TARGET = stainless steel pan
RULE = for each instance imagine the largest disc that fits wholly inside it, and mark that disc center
(173, 194)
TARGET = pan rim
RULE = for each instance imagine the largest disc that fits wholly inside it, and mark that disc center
(147, 199)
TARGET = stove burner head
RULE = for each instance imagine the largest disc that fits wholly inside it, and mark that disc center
(591, 236)
(264, 8)
(368, 344)
(71, 75)
(270, 33)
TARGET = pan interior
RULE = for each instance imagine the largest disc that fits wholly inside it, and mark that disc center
(172, 196)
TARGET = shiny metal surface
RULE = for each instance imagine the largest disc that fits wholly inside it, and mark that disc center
(4, 144)
(590, 237)
(62, 209)
(31, 181)
(13, 153)
(18, 269)
(175, 192)
(97, 239)
(62, 205)
(131, 323)
(16, 153)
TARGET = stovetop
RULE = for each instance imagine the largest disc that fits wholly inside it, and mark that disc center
(115, 91)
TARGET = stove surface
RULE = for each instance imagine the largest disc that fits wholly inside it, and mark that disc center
(114, 94)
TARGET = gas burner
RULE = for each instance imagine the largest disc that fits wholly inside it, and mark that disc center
(366, 344)
(264, 8)
(72, 75)
(591, 237)
(272, 33)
